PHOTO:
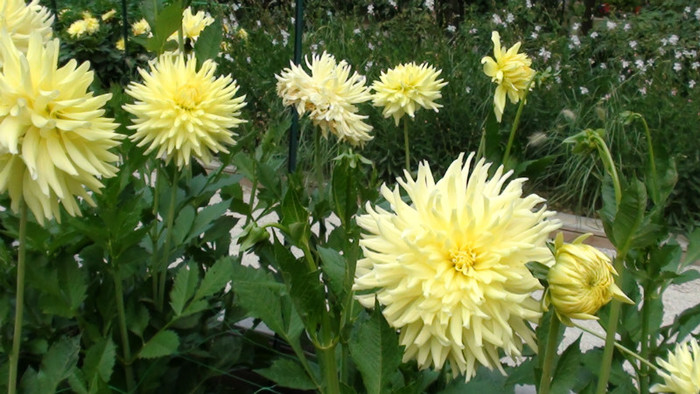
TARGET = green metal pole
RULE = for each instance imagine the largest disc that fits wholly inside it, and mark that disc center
(294, 134)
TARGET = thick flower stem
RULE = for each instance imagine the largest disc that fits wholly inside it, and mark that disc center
(168, 236)
(119, 298)
(646, 341)
(514, 128)
(19, 301)
(609, 164)
(155, 236)
(549, 354)
(405, 145)
(320, 181)
(326, 354)
(605, 365)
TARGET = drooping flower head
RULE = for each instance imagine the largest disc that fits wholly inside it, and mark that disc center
(406, 88)
(55, 139)
(328, 95)
(449, 265)
(682, 370)
(181, 111)
(193, 24)
(510, 70)
(20, 20)
(581, 280)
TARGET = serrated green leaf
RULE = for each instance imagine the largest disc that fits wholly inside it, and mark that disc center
(344, 188)
(209, 42)
(215, 278)
(205, 218)
(99, 361)
(629, 218)
(183, 224)
(485, 381)
(162, 344)
(374, 347)
(564, 376)
(195, 307)
(184, 287)
(333, 265)
(288, 373)
(58, 363)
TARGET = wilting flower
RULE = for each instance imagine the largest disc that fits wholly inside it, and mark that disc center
(449, 266)
(20, 20)
(182, 111)
(581, 280)
(109, 15)
(407, 87)
(329, 95)
(682, 370)
(141, 27)
(510, 70)
(55, 139)
(193, 24)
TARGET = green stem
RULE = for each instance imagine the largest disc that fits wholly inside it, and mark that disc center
(514, 128)
(606, 362)
(652, 159)
(405, 145)
(155, 235)
(320, 181)
(119, 295)
(549, 354)
(646, 339)
(327, 358)
(621, 348)
(609, 164)
(168, 236)
(19, 301)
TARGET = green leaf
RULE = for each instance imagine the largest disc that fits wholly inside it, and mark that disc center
(215, 278)
(99, 362)
(150, 9)
(183, 224)
(630, 229)
(58, 363)
(333, 265)
(205, 218)
(685, 323)
(692, 253)
(288, 373)
(538, 270)
(344, 188)
(485, 381)
(162, 344)
(258, 292)
(564, 376)
(687, 276)
(209, 42)
(184, 287)
(374, 347)
(167, 22)
(295, 216)
(195, 307)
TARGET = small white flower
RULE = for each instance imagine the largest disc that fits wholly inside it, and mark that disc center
(274, 42)
(369, 65)
(677, 67)
(594, 35)
(258, 23)
(673, 40)
(664, 42)
(695, 65)
(392, 3)
(611, 25)
(496, 19)
(603, 66)
(639, 63)
(357, 31)
(538, 28)
(248, 59)
(370, 46)
(575, 26)
(575, 41)
(677, 54)
(697, 14)
(370, 9)
(430, 4)
(643, 90)
(451, 28)
(633, 44)
(510, 18)
(691, 83)
(314, 48)
(528, 4)
(686, 10)
(583, 89)
(625, 63)
(621, 78)
(473, 30)
(626, 27)
(534, 35)
(662, 51)
(468, 89)
(329, 13)
(285, 37)
(545, 54)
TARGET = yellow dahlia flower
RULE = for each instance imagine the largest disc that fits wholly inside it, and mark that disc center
(77, 28)
(581, 281)
(120, 44)
(328, 95)
(242, 34)
(510, 70)
(193, 24)
(20, 20)
(182, 111)
(407, 87)
(92, 25)
(449, 266)
(682, 373)
(141, 27)
(54, 138)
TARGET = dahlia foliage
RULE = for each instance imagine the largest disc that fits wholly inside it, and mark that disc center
(449, 265)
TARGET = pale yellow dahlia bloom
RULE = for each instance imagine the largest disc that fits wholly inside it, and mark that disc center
(140, 27)
(328, 95)
(55, 139)
(120, 44)
(406, 88)
(77, 29)
(92, 25)
(682, 370)
(581, 281)
(510, 70)
(182, 111)
(20, 20)
(448, 266)
(193, 24)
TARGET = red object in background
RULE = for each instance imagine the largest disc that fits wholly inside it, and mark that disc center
(637, 9)
(604, 9)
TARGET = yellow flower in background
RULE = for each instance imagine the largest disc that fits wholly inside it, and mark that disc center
(182, 111)
(242, 34)
(449, 265)
(406, 88)
(120, 44)
(55, 139)
(682, 370)
(141, 27)
(77, 29)
(581, 281)
(92, 25)
(510, 70)
(328, 95)
(20, 20)
(193, 24)
(109, 15)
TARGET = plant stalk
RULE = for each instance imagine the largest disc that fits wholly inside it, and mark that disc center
(646, 339)
(19, 301)
(168, 236)
(514, 128)
(406, 145)
(327, 358)
(606, 362)
(621, 348)
(609, 164)
(549, 354)
(119, 295)
(155, 236)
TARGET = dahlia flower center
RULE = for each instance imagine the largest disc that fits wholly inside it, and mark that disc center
(463, 259)
(187, 97)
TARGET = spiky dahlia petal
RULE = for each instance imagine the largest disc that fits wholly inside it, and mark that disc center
(681, 373)
(55, 139)
(181, 111)
(448, 267)
(328, 95)
(407, 87)
(20, 20)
